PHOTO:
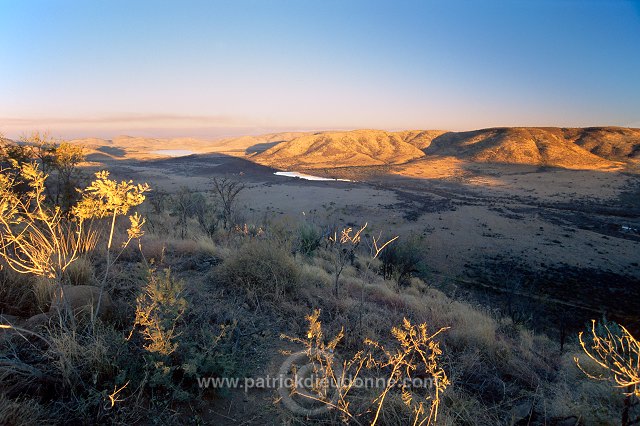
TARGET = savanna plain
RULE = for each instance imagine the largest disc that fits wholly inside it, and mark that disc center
(499, 265)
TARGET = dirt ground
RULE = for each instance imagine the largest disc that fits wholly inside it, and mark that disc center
(547, 241)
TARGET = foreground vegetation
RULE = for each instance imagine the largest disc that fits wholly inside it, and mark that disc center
(106, 320)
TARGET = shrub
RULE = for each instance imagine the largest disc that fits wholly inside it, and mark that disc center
(176, 354)
(402, 260)
(617, 354)
(309, 239)
(262, 269)
(206, 213)
(413, 353)
(182, 209)
(39, 239)
(35, 238)
(343, 248)
(159, 308)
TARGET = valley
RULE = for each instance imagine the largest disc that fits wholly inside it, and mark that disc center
(509, 234)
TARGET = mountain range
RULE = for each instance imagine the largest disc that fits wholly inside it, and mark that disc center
(574, 148)
(582, 148)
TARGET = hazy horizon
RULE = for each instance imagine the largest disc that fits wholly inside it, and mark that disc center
(215, 69)
(223, 134)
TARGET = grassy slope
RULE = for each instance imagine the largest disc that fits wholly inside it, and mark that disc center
(573, 148)
(591, 148)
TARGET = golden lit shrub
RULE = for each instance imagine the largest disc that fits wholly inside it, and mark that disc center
(158, 310)
(413, 351)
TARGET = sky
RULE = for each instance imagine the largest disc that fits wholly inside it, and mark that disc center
(223, 68)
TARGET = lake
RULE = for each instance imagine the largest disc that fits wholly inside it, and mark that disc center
(306, 176)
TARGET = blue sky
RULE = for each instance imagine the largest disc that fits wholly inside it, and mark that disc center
(210, 69)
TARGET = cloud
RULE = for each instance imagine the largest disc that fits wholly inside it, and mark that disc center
(136, 124)
(128, 120)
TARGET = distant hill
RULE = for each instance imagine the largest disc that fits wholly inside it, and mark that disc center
(349, 148)
(613, 143)
(121, 147)
(255, 144)
(581, 148)
(559, 147)
(421, 139)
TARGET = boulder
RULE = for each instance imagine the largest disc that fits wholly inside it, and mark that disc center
(81, 299)
(37, 321)
(522, 413)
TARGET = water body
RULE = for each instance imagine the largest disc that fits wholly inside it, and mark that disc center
(174, 152)
(307, 177)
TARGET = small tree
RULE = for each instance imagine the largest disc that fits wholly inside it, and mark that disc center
(401, 261)
(57, 160)
(107, 198)
(618, 354)
(66, 160)
(11, 152)
(206, 213)
(182, 209)
(227, 191)
(344, 249)
(12, 157)
(158, 200)
(187, 204)
(43, 150)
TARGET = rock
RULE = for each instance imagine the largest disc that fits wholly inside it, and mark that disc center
(37, 321)
(521, 412)
(81, 298)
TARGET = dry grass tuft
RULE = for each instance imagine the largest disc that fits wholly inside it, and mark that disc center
(15, 297)
(79, 357)
(80, 272)
(262, 269)
(314, 276)
(588, 402)
(43, 290)
(21, 412)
